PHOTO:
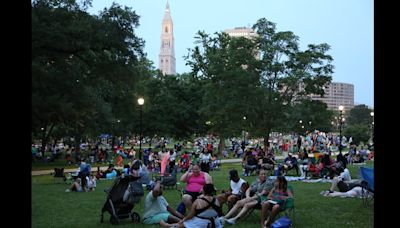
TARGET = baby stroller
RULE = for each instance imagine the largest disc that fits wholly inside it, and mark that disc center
(121, 197)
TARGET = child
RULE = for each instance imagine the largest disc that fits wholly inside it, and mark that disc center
(277, 196)
(91, 182)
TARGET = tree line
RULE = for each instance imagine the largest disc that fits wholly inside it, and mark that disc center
(89, 70)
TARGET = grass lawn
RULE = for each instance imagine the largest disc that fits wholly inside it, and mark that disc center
(53, 207)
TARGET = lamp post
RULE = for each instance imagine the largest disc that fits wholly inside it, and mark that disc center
(301, 131)
(340, 127)
(244, 118)
(140, 102)
(372, 127)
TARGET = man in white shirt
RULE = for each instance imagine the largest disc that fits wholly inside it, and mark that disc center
(343, 181)
(237, 190)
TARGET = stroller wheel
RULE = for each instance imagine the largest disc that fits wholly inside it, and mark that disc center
(114, 220)
(135, 217)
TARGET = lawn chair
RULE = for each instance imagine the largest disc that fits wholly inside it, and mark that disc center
(289, 205)
(367, 185)
(59, 175)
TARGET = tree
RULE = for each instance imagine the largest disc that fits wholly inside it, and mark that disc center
(286, 75)
(314, 115)
(84, 67)
(226, 67)
(358, 132)
(360, 114)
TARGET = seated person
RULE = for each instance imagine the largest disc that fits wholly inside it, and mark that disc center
(343, 181)
(290, 163)
(255, 195)
(249, 163)
(205, 212)
(215, 163)
(303, 167)
(157, 210)
(205, 159)
(76, 186)
(236, 192)
(195, 181)
(91, 182)
(184, 162)
(266, 162)
(278, 195)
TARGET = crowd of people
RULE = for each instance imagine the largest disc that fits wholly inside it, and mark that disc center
(309, 155)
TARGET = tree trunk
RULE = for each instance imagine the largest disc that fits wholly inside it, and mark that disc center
(45, 138)
(266, 138)
(221, 145)
(151, 139)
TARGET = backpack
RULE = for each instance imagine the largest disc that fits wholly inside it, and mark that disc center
(282, 222)
(133, 193)
(168, 180)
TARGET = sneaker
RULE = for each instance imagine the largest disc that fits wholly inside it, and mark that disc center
(231, 221)
(67, 190)
(222, 220)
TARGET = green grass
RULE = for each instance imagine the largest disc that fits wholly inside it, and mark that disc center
(53, 207)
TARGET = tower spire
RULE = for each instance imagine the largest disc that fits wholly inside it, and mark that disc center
(167, 61)
(167, 6)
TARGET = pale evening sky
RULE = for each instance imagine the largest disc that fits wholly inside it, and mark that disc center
(346, 25)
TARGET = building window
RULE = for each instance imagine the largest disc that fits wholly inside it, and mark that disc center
(166, 29)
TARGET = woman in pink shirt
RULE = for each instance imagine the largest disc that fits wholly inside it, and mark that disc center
(195, 180)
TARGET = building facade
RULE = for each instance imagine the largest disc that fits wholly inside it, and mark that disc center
(241, 31)
(336, 94)
(167, 62)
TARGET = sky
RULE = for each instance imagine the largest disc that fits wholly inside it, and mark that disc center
(346, 25)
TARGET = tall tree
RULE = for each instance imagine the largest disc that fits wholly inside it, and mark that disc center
(287, 75)
(360, 114)
(84, 67)
(227, 67)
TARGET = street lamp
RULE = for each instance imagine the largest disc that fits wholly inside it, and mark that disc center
(244, 118)
(140, 102)
(372, 127)
(340, 127)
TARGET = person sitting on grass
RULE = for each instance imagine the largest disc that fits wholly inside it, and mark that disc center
(277, 197)
(205, 211)
(157, 209)
(255, 195)
(343, 182)
(91, 182)
(76, 186)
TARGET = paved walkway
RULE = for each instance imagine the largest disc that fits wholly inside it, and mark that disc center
(50, 171)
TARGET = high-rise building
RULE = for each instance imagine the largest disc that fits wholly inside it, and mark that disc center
(336, 94)
(167, 63)
(241, 31)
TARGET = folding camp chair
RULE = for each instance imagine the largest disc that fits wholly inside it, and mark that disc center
(367, 185)
(59, 174)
